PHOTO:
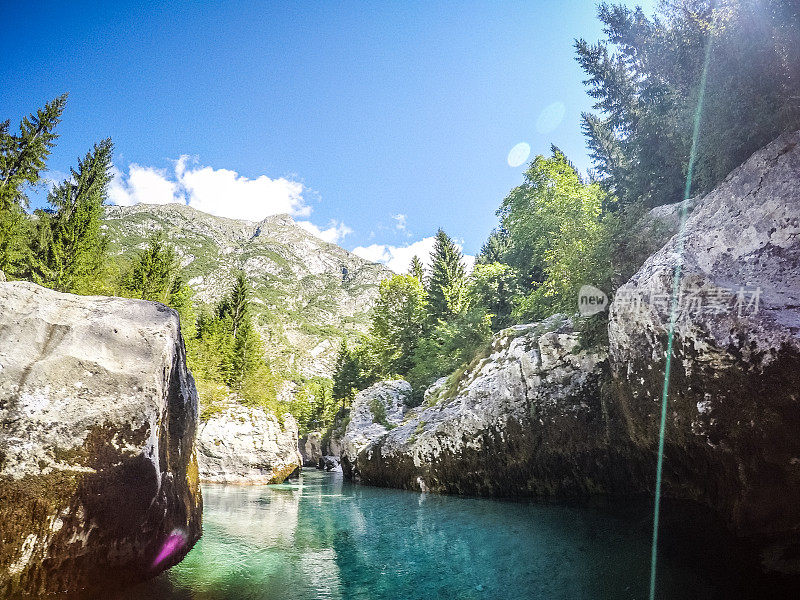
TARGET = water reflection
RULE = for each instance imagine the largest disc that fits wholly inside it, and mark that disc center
(323, 538)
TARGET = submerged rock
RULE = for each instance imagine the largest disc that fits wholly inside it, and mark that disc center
(97, 426)
(734, 398)
(526, 419)
(311, 448)
(247, 445)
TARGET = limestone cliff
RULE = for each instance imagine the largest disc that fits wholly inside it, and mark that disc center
(734, 398)
(97, 426)
(526, 419)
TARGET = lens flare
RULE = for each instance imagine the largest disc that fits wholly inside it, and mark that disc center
(551, 117)
(518, 154)
(174, 543)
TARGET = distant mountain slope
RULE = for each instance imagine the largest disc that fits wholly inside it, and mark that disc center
(307, 293)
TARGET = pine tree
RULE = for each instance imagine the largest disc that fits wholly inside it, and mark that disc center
(343, 376)
(238, 302)
(22, 159)
(243, 350)
(416, 269)
(24, 156)
(447, 284)
(69, 247)
(154, 272)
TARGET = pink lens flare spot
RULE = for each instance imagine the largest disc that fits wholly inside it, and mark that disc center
(174, 543)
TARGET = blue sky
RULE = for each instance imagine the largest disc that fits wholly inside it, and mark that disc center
(373, 123)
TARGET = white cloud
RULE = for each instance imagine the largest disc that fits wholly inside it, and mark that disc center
(400, 221)
(335, 232)
(220, 192)
(398, 258)
(143, 184)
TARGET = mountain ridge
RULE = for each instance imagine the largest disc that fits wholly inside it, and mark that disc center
(307, 294)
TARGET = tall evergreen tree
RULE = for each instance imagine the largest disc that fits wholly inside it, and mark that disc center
(69, 247)
(416, 269)
(645, 76)
(23, 157)
(447, 293)
(154, 271)
(345, 373)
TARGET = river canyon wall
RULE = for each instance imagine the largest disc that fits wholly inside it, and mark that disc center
(542, 416)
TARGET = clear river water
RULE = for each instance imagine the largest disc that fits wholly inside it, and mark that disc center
(320, 537)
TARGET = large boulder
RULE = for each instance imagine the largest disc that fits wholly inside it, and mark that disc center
(311, 448)
(375, 411)
(239, 444)
(525, 419)
(98, 476)
(732, 438)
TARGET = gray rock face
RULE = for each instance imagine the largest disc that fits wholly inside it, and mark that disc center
(525, 420)
(330, 463)
(375, 411)
(311, 448)
(98, 416)
(734, 398)
(248, 446)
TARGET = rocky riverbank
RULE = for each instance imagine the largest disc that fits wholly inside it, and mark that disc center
(247, 445)
(542, 416)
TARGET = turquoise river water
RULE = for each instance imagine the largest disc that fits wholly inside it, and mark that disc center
(324, 538)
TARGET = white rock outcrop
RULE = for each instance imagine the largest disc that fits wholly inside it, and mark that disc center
(524, 419)
(311, 448)
(98, 416)
(734, 397)
(375, 411)
(245, 445)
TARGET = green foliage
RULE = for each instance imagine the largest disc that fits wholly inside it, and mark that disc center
(448, 345)
(313, 404)
(226, 353)
(645, 75)
(355, 370)
(417, 270)
(69, 248)
(398, 322)
(447, 290)
(556, 239)
(494, 286)
(24, 156)
(154, 272)
(379, 416)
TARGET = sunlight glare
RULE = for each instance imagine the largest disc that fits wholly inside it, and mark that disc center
(519, 154)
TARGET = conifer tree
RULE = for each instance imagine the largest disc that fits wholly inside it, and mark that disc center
(69, 247)
(154, 272)
(447, 284)
(416, 269)
(22, 159)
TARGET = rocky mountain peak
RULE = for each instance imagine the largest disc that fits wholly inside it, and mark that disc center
(307, 293)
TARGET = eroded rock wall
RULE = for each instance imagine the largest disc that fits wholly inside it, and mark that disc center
(525, 420)
(733, 417)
